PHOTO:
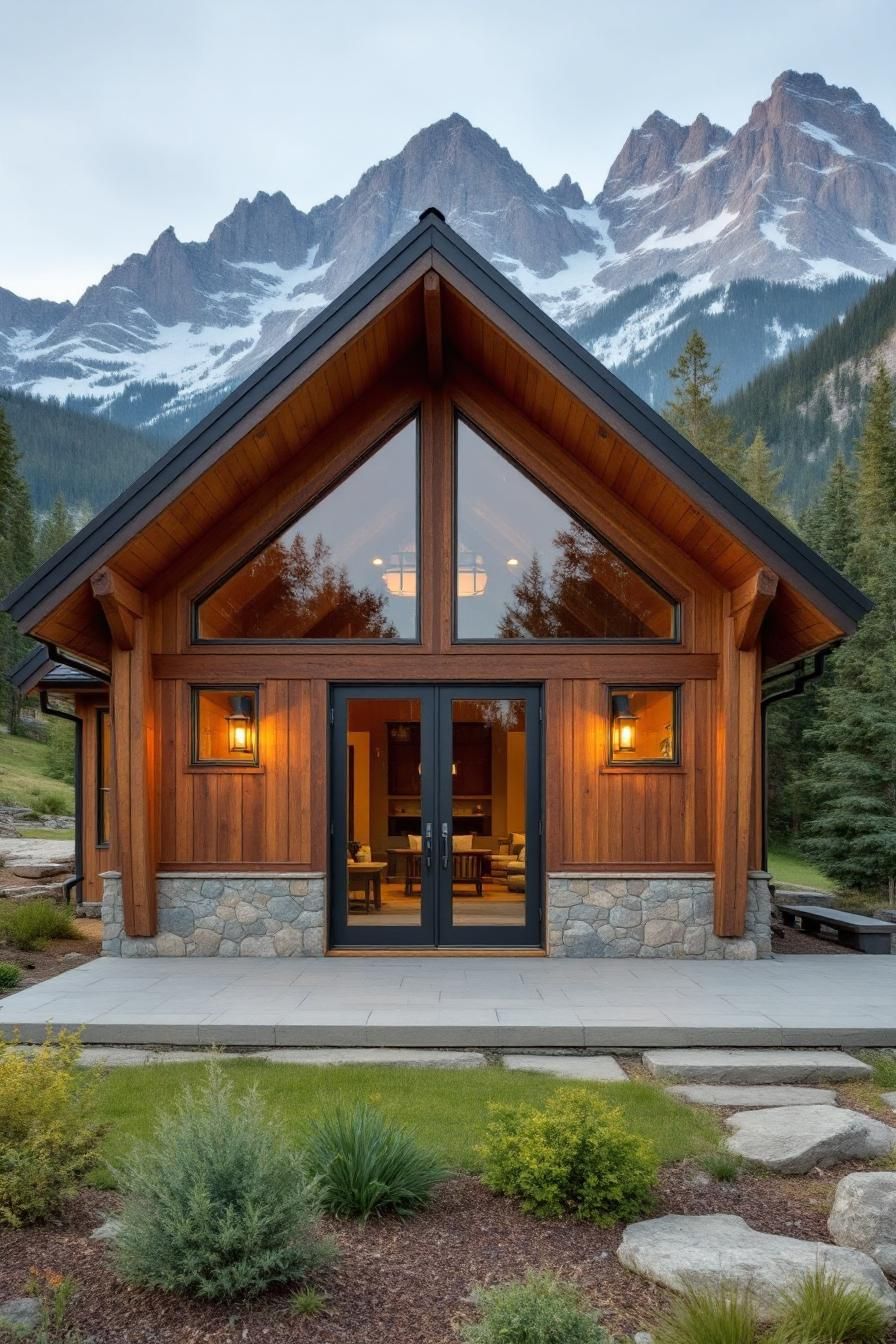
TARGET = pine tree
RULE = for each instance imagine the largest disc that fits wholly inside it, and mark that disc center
(762, 478)
(853, 833)
(16, 561)
(692, 409)
(56, 529)
(876, 456)
(831, 526)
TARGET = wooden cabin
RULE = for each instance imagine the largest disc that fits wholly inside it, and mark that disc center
(433, 635)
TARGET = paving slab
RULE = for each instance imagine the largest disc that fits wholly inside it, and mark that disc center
(755, 1066)
(417, 1059)
(794, 1139)
(744, 1097)
(587, 1068)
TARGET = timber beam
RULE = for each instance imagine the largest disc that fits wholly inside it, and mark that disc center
(432, 323)
(749, 603)
(122, 605)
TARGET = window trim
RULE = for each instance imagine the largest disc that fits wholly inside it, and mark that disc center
(559, 644)
(414, 417)
(673, 762)
(102, 839)
(218, 763)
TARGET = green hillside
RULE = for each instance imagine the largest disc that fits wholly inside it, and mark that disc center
(85, 458)
(810, 404)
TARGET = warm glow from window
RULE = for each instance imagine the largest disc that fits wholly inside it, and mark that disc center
(225, 726)
(644, 725)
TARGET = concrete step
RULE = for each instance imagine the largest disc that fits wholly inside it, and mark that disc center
(112, 1057)
(587, 1068)
(744, 1097)
(755, 1066)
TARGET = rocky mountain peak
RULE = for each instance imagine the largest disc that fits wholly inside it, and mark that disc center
(567, 192)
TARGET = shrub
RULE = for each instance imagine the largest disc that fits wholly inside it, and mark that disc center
(574, 1156)
(30, 925)
(49, 1139)
(824, 1309)
(363, 1164)
(218, 1204)
(722, 1166)
(9, 975)
(723, 1315)
(540, 1310)
(49, 804)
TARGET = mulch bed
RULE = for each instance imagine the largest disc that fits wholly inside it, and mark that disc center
(794, 943)
(50, 961)
(403, 1282)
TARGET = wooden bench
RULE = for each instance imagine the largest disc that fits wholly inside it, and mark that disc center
(860, 932)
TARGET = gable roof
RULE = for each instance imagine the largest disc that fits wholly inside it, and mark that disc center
(37, 668)
(718, 495)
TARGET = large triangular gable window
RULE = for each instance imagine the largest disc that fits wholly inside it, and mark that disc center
(528, 569)
(344, 569)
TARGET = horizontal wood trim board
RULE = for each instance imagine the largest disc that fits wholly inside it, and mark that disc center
(218, 869)
(410, 664)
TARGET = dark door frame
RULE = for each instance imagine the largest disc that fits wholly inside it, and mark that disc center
(436, 930)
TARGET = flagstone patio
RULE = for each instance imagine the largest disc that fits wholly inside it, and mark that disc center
(467, 1001)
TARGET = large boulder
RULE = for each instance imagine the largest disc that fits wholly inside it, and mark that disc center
(679, 1250)
(794, 1139)
(864, 1216)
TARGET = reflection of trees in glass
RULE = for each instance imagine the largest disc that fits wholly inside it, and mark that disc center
(298, 592)
(591, 594)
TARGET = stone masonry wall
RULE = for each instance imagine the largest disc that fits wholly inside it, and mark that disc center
(655, 915)
(224, 915)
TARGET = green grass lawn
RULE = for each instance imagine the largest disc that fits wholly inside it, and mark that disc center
(785, 865)
(23, 777)
(446, 1108)
(40, 833)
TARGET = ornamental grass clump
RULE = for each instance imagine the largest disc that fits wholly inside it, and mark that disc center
(363, 1164)
(825, 1309)
(49, 1135)
(540, 1310)
(575, 1156)
(30, 925)
(217, 1205)
(722, 1315)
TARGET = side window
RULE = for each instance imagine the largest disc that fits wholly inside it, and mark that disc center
(103, 778)
(644, 725)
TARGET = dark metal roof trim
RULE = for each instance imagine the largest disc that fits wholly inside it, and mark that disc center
(39, 668)
(433, 233)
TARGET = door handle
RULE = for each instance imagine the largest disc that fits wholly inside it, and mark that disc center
(444, 844)
(427, 843)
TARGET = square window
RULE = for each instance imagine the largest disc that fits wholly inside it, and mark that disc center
(225, 725)
(644, 725)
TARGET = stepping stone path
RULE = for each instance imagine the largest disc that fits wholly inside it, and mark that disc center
(794, 1139)
(742, 1097)
(755, 1066)
(586, 1068)
(864, 1216)
(680, 1250)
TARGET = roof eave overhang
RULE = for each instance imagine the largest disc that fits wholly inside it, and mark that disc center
(432, 244)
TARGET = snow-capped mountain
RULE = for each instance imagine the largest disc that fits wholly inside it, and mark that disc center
(689, 219)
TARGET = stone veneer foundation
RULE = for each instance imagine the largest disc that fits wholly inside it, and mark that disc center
(224, 915)
(589, 915)
(650, 915)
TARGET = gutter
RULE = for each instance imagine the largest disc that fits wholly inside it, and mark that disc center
(77, 881)
(799, 676)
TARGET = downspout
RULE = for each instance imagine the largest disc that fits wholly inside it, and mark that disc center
(77, 881)
(801, 678)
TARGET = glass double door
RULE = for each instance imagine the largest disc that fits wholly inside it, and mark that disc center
(436, 816)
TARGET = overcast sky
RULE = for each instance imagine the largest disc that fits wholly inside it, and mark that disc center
(120, 117)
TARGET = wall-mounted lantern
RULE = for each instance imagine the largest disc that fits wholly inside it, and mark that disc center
(623, 727)
(241, 725)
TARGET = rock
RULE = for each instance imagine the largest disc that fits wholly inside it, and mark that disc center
(889, 1099)
(73, 958)
(864, 1216)
(755, 1066)
(20, 1314)
(589, 1068)
(681, 1250)
(794, 1139)
(743, 1097)
(107, 1230)
(37, 871)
